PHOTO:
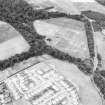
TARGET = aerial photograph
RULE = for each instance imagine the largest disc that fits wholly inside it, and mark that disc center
(52, 52)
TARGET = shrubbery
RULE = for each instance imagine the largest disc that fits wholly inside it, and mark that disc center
(94, 15)
(100, 83)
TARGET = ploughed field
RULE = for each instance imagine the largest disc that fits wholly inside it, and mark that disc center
(66, 35)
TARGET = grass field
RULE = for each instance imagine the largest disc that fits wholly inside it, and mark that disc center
(82, 6)
(6, 32)
(67, 35)
(13, 46)
(11, 42)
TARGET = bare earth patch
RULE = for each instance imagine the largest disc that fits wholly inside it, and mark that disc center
(66, 37)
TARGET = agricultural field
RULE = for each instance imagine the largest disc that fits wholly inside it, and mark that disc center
(66, 43)
(66, 35)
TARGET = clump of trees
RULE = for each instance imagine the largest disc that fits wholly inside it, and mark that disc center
(90, 37)
(102, 2)
(96, 26)
(21, 15)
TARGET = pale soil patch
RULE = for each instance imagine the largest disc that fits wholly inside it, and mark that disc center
(100, 45)
(87, 92)
(44, 28)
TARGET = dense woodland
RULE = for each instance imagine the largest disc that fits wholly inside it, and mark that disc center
(21, 16)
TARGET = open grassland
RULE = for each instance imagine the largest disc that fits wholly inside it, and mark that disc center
(11, 42)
